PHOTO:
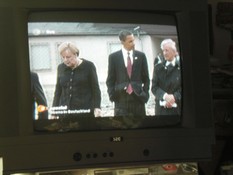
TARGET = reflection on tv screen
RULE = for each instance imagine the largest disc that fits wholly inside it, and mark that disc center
(94, 76)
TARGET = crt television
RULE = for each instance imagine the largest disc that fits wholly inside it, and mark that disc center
(31, 34)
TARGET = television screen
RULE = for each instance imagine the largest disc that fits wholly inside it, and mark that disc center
(92, 94)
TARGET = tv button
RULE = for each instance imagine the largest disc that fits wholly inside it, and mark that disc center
(77, 156)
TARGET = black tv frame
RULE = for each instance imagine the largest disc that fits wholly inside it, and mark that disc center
(24, 150)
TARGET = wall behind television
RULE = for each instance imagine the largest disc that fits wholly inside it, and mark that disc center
(222, 38)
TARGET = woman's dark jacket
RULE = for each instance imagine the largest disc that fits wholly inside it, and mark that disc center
(77, 88)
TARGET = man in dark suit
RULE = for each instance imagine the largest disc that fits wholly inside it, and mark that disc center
(166, 82)
(38, 96)
(128, 78)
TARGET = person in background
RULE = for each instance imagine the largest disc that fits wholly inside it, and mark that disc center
(128, 78)
(77, 85)
(166, 81)
(158, 59)
(38, 97)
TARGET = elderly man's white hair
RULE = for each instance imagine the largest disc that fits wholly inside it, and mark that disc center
(170, 42)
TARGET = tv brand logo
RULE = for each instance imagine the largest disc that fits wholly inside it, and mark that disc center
(116, 139)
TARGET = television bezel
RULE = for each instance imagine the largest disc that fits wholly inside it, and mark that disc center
(190, 142)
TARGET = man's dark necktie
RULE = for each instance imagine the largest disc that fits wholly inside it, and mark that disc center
(129, 70)
(169, 67)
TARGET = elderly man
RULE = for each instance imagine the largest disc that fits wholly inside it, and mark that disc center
(166, 82)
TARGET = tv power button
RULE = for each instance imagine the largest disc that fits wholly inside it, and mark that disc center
(77, 156)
